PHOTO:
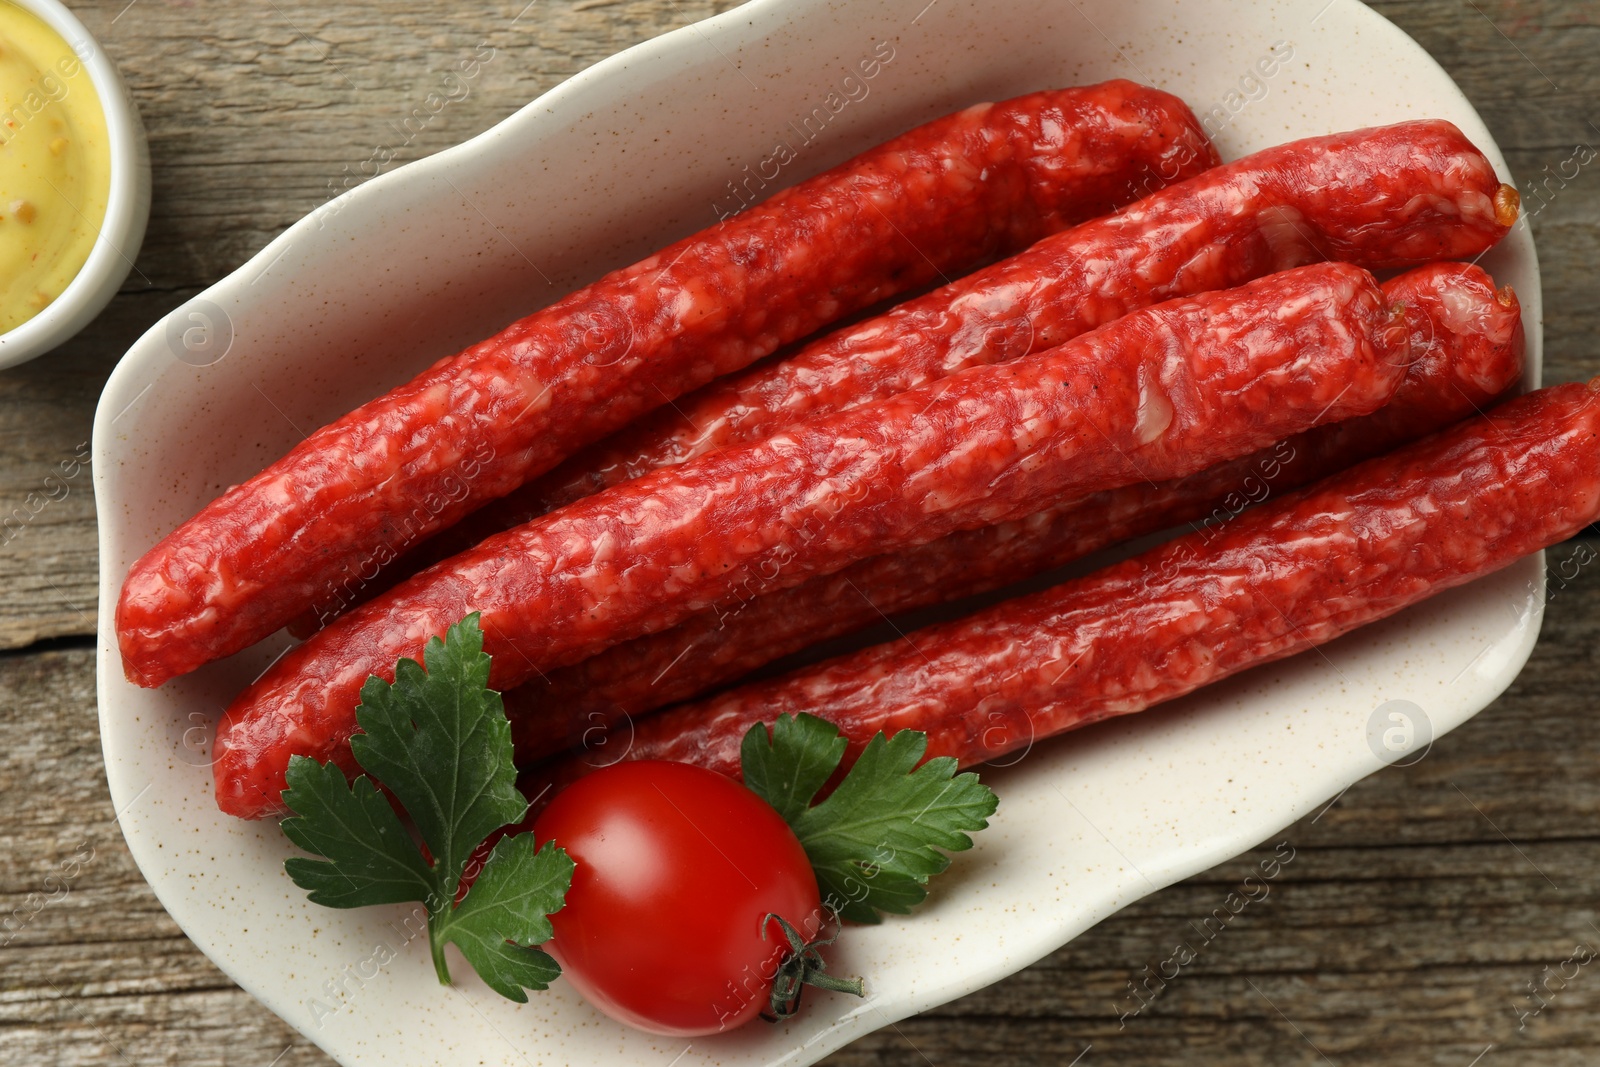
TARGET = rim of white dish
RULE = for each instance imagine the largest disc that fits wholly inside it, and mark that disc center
(127, 200)
(133, 376)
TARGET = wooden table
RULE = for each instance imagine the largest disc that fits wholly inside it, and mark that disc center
(1419, 912)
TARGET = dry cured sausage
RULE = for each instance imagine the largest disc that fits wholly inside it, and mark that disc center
(1157, 394)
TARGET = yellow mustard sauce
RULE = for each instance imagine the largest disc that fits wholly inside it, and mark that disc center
(55, 165)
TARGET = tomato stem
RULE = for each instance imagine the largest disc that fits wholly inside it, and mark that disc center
(803, 966)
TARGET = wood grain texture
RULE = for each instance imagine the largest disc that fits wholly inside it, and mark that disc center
(1408, 927)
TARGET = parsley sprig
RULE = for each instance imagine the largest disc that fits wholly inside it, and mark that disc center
(876, 839)
(439, 741)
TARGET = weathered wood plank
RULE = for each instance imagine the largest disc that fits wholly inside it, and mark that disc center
(1407, 929)
(255, 118)
(255, 121)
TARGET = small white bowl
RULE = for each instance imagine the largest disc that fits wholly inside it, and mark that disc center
(127, 205)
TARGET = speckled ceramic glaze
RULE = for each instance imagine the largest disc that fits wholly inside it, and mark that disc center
(609, 166)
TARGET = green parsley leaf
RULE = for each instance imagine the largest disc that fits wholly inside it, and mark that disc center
(877, 839)
(439, 741)
(371, 858)
(516, 891)
(787, 770)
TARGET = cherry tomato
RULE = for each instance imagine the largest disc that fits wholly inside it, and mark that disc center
(677, 866)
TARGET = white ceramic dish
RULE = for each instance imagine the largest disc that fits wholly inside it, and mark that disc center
(600, 171)
(127, 206)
